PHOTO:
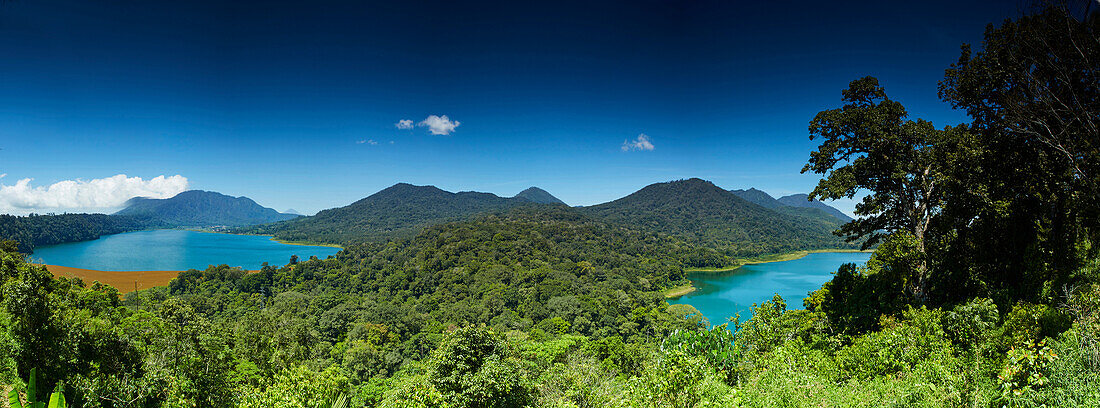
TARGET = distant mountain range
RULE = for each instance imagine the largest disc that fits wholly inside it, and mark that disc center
(693, 209)
(400, 210)
(803, 201)
(794, 200)
(702, 212)
(196, 208)
(734, 223)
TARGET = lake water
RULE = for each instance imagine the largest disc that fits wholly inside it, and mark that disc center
(174, 250)
(721, 295)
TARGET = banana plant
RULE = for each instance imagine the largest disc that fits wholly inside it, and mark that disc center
(57, 399)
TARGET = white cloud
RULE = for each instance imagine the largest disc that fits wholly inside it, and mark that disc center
(404, 124)
(3, 175)
(642, 142)
(86, 195)
(368, 141)
(439, 125)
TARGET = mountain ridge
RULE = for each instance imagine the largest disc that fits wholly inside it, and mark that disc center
(538, 195)
(199, 208)
(802, 201)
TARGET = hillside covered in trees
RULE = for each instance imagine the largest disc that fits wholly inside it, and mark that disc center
(699, 211)
(197, 208)
(398, 211)
(35, 230)
(694, 210)
(983, 290)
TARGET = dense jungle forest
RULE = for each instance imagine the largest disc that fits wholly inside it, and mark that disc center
(983, 289)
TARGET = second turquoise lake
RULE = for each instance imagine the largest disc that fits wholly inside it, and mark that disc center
(721, 295)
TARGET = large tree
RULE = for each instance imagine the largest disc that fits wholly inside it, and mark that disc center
(1033, 93)
(869, 145)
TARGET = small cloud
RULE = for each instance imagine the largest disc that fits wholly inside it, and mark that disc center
(391, 142)
(367, 141)
(439, 125)
(6, 174)
(404, 124)
(642, 142)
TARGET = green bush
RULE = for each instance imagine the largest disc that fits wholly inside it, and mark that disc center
(472, 368)
(899, 346)
(715, 346)
(972, 323)
(1028, 323)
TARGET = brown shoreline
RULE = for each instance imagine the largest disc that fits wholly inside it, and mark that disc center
(124, 281)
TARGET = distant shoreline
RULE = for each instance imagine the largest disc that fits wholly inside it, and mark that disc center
(788, 256)
(272, 237)
(680, 291)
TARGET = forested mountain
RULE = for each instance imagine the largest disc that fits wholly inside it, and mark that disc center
(398, 211)
(365, 314)
(35, 230)
(692, 209)
(802, 201)
(758, 197)
(538, 195)
(196, 208)
(793, 204)
(983, 292)
(702, 212)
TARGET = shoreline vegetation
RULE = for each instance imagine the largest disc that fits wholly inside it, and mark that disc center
(682, 290)
(271, 237)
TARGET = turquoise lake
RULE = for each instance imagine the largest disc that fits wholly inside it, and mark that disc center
(174, 250)
(721, 295)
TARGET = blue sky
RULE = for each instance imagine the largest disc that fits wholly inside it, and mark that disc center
(272, 101)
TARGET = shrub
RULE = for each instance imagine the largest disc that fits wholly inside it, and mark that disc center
(472, 369)
(715, 346)
(972, 323)
(901, 344)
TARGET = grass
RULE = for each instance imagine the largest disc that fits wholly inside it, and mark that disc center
(789, 256)
(679, 291)
(303, 243)
(124, 281)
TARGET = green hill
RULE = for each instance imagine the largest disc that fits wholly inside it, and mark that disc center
(538, 195)
(400, 210)
(802, 201)
(705, 213)
(758, 197)
(197, 208)
(795, 204)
